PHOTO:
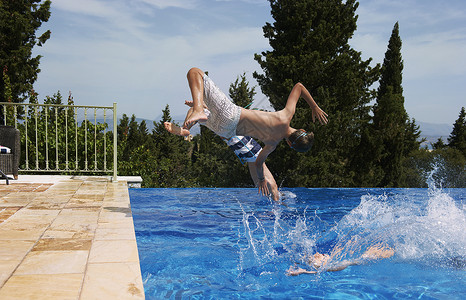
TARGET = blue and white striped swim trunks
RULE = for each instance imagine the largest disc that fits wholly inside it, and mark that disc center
(245, 147)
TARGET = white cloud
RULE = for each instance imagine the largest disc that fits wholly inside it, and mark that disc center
(87, 7)
(162, 4)
(440, 54)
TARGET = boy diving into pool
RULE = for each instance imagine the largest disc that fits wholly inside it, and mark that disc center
(245, 148)
(212, 108)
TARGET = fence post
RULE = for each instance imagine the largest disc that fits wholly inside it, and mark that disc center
(115, 159)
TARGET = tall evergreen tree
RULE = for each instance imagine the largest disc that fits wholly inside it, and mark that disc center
(309, 41)
(240, 92)
(170, 165)
(457, 138)
(19, 21)
(392, 127)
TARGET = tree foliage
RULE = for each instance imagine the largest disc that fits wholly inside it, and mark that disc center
(457, 138)
(19, 22)
(309, 41)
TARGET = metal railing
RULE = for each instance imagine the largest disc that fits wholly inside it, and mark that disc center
(64, 138)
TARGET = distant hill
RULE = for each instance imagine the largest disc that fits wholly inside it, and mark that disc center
(432, 132)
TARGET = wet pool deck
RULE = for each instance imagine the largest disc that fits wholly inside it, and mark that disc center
(68, 238)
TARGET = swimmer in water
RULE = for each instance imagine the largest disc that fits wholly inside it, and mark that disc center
(320, 261)
(213, 109)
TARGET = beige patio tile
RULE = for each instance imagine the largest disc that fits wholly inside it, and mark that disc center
(6, 269)
(7, 212)
(48, 233)
(56, 244)
(85, 233)
(22, 234)
(114, 251)
(114, 233)
(116, 223)
(32, 212)
(14, 250)
(27, 222)
(41, 205)
(13, 201)
(53, 262)
(74, 225)
(46, 287)
(113, 281)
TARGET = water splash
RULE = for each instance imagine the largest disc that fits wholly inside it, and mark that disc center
(427, 226)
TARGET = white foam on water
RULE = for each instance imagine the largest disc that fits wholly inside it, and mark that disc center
(427, 226)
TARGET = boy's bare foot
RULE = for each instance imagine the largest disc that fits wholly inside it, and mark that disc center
(196, 116)
(175, 129)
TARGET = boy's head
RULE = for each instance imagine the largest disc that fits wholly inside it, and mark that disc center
(301, 140)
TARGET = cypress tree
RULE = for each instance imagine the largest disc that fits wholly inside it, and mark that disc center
(392, 127)
(309, 40)
(457, 138)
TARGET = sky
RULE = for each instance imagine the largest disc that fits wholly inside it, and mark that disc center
(137, 52)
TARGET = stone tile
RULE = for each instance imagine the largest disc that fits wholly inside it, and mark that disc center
(7, 212)
(6, 269)
(46, 287)
(116, 223)
(53, 262)
(78, 221)
(14, 201)
(27, 222)
(22, 234)
(31, 212)
(57, 244)
(114, 251)
(85, 233)
(111, 214)
(114, 234)
(74, 225)
(41, 205)
(14, 250)
(113, 281)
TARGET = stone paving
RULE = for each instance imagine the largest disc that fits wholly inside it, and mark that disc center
(71, 239)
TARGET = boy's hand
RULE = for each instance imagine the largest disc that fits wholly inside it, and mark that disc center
(264, 187)
(321, 115)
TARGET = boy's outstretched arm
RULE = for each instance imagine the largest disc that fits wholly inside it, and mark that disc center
(270, 179)
(300, 91)
(264, 182)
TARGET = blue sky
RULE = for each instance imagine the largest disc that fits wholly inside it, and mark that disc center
(137, 52)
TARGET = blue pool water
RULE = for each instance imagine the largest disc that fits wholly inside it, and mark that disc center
(234, 244)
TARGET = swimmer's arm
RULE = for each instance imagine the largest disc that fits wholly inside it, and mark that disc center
(260, 162)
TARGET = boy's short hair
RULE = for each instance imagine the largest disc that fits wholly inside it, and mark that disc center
(301, 140)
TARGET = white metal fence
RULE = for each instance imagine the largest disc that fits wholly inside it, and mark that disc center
(64, 138)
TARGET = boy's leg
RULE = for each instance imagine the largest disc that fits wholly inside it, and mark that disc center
(196, 85)
(175, 129)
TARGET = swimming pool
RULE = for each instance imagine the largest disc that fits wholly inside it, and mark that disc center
(234, 244)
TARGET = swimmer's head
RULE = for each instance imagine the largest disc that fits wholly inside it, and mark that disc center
(301, 140)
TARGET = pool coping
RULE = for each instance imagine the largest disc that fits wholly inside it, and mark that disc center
(68, 237)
